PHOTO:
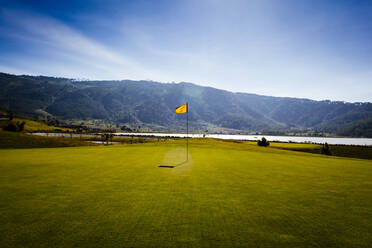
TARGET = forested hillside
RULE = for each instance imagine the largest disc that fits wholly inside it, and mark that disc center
(151, 103)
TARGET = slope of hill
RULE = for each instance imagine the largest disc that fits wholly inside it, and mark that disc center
(147, 102)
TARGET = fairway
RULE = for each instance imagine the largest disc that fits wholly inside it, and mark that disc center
(226, 195)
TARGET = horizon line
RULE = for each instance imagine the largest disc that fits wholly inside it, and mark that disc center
(179, 82)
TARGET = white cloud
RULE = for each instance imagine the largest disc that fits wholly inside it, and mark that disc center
(67, 44)
(211, 44)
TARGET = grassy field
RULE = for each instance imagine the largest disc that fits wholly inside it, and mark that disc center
(23, 140)
(34, 126)
(351, 151)
(226, 195)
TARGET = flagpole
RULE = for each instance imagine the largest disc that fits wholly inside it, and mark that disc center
(187, 133)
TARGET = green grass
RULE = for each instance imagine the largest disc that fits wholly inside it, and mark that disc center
(364, 152)
(22, 140)
(352, 151)
(34, 126)
(125, 140)
(227, 195)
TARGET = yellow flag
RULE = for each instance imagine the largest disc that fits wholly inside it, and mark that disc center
(182, 109)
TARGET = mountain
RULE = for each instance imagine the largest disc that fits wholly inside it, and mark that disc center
(151, 103)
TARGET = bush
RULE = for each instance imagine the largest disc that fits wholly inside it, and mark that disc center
(21, 126)
(15, 126)
(11, 127)
(325, 149)
(263, 142)
(126, 129)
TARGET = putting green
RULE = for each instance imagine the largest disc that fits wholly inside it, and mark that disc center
(226, 195)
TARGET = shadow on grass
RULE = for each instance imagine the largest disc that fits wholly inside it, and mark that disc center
(172, 166)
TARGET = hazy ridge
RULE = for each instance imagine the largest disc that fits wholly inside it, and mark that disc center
(134, 103)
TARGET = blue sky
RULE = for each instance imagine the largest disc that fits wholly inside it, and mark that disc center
(311, 49)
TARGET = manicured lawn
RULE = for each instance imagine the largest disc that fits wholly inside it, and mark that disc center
(227, 195)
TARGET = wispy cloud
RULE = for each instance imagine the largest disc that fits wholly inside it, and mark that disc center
(313, 50)
(54, 37)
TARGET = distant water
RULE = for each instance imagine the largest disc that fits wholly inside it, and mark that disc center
(296, 139)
